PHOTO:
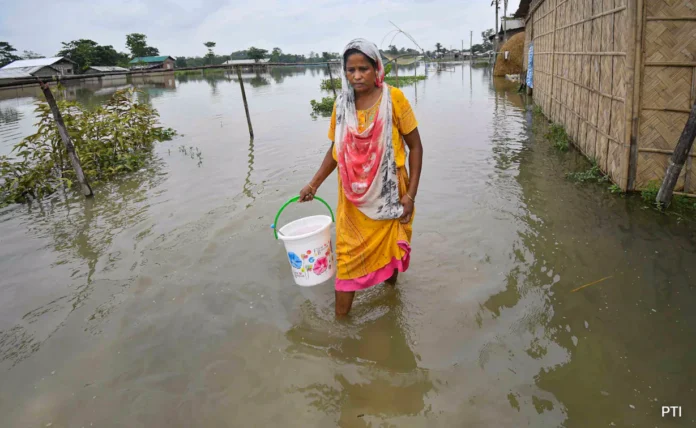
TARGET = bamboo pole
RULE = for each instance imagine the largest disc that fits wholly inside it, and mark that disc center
(246, 106)
(638, 65)
(676, 163)
(396, 71)
(328, 67)
(69, 147)
(631, 43)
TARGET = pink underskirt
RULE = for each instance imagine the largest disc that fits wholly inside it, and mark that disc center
(378, 276)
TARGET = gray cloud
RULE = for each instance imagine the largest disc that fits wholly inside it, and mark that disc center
(180, 27)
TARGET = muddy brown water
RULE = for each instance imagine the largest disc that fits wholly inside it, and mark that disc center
(165, 301)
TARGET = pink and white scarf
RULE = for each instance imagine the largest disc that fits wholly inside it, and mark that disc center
(366, 159)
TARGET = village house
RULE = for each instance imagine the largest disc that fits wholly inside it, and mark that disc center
(95, 69)
(245, 61)
(508, 28)
(152, 63)
(23, 73)
(63, 65)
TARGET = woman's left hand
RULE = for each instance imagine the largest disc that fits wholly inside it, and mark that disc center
(408, 209)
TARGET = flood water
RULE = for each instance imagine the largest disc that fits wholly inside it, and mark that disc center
(166, 301)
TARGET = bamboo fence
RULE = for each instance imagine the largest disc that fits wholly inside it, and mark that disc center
(620, 76)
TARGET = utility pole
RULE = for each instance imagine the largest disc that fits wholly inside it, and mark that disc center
(495, 29)
(471, 46)
(505, 5)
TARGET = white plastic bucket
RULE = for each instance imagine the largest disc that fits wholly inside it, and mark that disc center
(309, 248)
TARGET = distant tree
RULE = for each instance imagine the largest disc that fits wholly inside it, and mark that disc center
(256, 54)
(31, 55)
(6, 55)
(210, 55)
(438, 47)
(326, 56)
(137, 44)
(276, 54)
(86, 53)
(392, 50)
(486, 35)
(181, 62)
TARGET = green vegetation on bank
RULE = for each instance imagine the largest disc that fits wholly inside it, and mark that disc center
(681, 206)
(111, 140)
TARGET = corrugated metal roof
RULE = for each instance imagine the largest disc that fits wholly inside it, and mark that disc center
(22, 72)
(244, 61)
(21, 63)
(107, 68)
(149, 59)
(512, 24)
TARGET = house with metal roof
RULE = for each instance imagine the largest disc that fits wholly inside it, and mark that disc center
(96, 69)
(245, 61)
(152, 62)
(508, 28)
(64, 65)
(9, 75)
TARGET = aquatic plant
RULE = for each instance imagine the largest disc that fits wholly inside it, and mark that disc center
(614, 188)
(403, 80)
(111, 140)
(649, 192)
(558, 137)
(590, 175)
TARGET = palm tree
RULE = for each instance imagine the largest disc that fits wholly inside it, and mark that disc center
(438, 47)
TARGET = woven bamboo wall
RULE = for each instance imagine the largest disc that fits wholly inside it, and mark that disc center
(580, 76)
(667, 91)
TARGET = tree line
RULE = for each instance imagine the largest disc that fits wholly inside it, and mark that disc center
(86, 53)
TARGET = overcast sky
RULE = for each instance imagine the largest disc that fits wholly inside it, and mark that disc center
(180, 27)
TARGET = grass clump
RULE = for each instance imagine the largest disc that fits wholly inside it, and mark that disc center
(615, 189)
(537, 110)
(558, 137)
(649, 192)
(590, 175)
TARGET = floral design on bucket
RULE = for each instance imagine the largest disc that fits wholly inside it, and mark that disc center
(295, 260)
(321, 265)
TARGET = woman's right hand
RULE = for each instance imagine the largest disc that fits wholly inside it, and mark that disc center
(307, 194)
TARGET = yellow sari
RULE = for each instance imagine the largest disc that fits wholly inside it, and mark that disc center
(368, 251)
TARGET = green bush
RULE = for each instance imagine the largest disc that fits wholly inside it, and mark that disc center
(324, 107)
(326, 84)
(110, 140)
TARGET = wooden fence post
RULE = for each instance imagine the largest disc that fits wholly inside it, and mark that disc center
(69, 147)
(246, 106)
(676, 163)
(328, 67)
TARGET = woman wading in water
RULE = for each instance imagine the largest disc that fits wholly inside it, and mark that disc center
(371, 125)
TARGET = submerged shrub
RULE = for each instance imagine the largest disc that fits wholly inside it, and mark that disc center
(112, 140)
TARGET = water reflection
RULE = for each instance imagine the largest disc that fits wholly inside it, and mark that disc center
(82, 233)
(377, 375)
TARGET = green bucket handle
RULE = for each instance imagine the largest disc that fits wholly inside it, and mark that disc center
(290, 201)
